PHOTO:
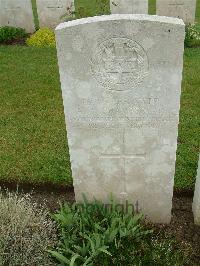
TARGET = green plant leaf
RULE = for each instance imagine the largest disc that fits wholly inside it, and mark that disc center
(73, 259)
(59, 257)
(104, 250)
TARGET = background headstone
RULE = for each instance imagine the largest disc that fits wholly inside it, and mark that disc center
(17, 13)
(129, 6)
(196, 201)
(50, 12)
(121, 84)
(184, 9)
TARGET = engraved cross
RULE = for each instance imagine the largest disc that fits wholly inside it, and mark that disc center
(123, 156)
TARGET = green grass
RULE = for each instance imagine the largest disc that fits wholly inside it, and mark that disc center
(198, 11)
(189, 127)
(33, 141)
(32, 128)
(35, 15)
(152, 7)
(92, 7)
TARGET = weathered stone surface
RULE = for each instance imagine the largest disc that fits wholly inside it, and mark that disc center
(196, 201)
(129, 6)
(50, 12)
(184, 9)
(121, 84)
(17, 13)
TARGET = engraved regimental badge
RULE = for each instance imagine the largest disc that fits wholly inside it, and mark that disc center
(119, 64)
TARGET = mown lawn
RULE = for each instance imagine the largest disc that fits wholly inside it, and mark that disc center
(152, 7)
(198, 11)
(189, 127)
(32, 129)
(33, 141)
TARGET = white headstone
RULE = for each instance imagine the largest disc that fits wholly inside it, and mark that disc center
(184, 9)
(129, 6)
(196, 201)
(50, 12)
(17, 13)
(121, 84)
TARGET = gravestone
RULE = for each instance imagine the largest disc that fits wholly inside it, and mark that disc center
(121, 84)
(17, 13)
(184, 9)
(196, 201)
(129, 6)
(50, 12)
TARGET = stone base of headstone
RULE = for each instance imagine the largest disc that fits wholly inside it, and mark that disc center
(196, 201)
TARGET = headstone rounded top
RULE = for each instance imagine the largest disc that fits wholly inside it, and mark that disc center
(137, 17)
